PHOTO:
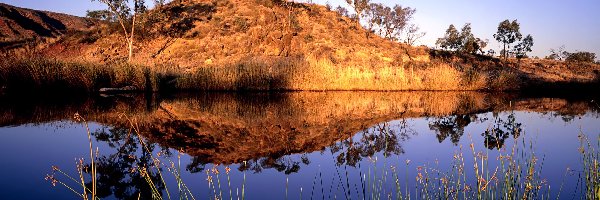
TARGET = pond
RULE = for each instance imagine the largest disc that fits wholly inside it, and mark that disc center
(300, 145)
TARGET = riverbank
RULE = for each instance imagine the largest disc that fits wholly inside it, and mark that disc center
(261, 46)
(38, 74)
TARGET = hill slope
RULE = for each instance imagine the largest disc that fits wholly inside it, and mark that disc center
(214, 32)
(22, 23)
(280, 45)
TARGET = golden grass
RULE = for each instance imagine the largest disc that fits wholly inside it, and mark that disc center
(264, 73)
(318, 74)
(36, 74)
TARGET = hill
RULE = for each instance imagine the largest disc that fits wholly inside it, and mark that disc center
(200, 32)
(277, 45)
(21, 24)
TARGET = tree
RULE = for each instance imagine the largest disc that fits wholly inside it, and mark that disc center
(482, 44)
(159, 3)
(342, 11)
(398, 21)
(122, 11)
(451, 40)
(557, 54)
(389, 22)
(508, 33)
(374, 16)
(359, 6)
(413, 34)
(468, 42)
(522, 48)
(581, 56)
(463, 41)
(104, 15)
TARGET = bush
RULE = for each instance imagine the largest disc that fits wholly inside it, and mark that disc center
(581, 56)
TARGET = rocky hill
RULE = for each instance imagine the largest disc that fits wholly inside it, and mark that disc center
(270, 45)
(199, 32)
(21, 24)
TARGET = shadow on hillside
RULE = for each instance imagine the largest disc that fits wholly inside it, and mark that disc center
(29, 24)
(176, 20)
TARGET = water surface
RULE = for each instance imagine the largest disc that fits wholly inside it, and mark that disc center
(347, 145)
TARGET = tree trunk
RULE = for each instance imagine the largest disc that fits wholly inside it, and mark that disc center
(130, 47)
(505, 53)
(130, 40)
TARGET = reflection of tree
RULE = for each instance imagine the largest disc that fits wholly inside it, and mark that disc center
(286, 164)
(117, 173)
(381, 138)
(495, 136)
(451, 126)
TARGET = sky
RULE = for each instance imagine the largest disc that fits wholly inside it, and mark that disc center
(552, 23)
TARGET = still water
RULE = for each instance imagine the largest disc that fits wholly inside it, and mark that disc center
(299, 145)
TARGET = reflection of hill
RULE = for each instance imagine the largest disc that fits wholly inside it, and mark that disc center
(229, 128)
(219, 129)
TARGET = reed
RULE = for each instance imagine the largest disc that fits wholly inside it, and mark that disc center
(590, 156)
(255, 74)
(515, 173)
(45, 75)
(87, 192)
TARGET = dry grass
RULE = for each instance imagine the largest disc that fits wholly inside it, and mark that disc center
(255, 73)
(317, 74)
(46, 75)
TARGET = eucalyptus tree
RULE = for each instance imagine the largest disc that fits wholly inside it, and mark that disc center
(342, 11)
(375, 16)
(126, 14)
(451, 40)
(398, 20)
(359, 7)
(462, 41)
(524, 46)
(508, 33)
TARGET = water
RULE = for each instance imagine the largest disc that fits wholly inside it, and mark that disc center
(309, 145)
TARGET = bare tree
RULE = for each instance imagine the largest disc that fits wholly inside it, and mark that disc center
(122, 11)
(413, 34)
(557, 54)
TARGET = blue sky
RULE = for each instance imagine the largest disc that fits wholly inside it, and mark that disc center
(552, 23)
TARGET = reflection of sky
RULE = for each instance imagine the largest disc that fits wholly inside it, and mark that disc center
(28, 152)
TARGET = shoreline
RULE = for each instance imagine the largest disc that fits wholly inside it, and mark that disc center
(51, 75)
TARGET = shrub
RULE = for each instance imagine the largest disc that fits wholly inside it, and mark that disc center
(581, 56)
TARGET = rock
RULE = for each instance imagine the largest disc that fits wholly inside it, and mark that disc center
(119, 90)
